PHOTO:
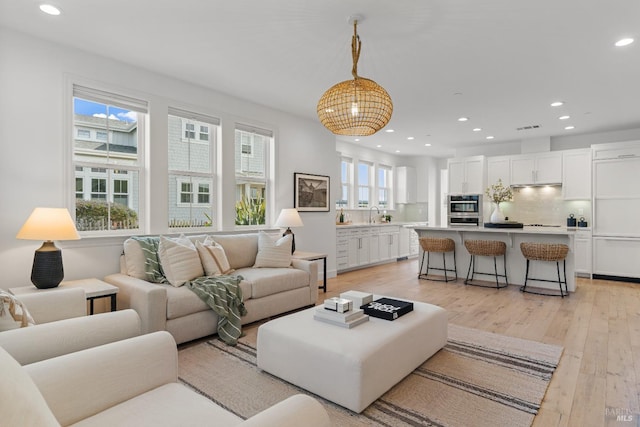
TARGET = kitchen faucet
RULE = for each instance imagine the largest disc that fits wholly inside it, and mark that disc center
(370, 209)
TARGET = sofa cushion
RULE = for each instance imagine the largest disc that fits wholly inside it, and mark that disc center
(240, 249)
(273, 250)
(179, 259)
(170, 404)
(134, 259)
(13, 313)
(268, 281)
(21, 403)
(214, 260)
(183, 301)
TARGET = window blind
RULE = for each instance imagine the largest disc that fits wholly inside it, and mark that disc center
(252, 129)
(194, 116)
(110, 98)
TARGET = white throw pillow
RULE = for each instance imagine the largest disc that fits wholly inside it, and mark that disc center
(179, 259)
(206, 256)
(13, 313)
(273, 251)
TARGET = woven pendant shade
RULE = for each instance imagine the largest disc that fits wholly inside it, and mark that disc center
(358, 107)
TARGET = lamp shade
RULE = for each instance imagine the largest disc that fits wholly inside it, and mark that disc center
(289, 218)
(49, 224)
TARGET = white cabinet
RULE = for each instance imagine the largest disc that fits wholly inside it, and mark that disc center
(352, 248)
(406, 190)
(576, 174)
(467, 175)
(499, 168)
(404, 242)
(342, 249)
(540, 168)
(616, 150)
(388, 242)
(374, 246)
(582, 252)
(616, 256)
(616, 197)
(413, 243)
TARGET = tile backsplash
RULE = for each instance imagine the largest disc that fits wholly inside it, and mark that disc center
(542, 205)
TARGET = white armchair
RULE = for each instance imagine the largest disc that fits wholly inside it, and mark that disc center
(62, 326)
(133, 382)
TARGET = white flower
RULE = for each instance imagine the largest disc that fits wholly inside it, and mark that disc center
(498, 193)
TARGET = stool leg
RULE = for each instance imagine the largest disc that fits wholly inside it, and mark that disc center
(495, 269)
(455, 264)
(526, 276)
(469, 270)
(428, 255)
(559, 282)
(444, 262)
(504, 257)
(421, 264)
(564, 267)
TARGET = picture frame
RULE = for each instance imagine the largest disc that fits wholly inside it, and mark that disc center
(311, 193)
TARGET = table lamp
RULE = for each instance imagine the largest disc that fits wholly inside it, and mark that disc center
(48, 224)
(289, 218)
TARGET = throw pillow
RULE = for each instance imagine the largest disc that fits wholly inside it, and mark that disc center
(213, 257)
(179, 260)
(206, 257)
(13, 313)
(273, 251)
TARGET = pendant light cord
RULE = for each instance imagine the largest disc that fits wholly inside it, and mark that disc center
(356, 44)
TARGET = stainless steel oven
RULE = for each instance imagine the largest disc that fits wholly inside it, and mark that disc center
(465, 210)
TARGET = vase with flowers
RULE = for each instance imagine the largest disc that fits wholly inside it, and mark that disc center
(498, 193)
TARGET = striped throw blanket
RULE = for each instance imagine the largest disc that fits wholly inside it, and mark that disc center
(224, 296)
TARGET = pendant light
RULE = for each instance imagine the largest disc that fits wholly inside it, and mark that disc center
(358, 107)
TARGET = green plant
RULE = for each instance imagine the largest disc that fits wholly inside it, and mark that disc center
(96, 214)
(250, 211)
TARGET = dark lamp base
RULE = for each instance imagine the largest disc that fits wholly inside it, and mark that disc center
(47, 271)
(293, 239)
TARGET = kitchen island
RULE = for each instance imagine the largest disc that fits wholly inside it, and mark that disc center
(516, 263)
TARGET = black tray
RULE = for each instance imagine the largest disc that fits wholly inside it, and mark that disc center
(508, 224)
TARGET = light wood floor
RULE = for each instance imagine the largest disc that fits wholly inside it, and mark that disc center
(598, 376)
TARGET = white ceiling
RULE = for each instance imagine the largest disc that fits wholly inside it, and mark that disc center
(498, 62)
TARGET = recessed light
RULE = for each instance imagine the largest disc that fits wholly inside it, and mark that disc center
(569, 127)
(410, 138)
(490, 137)
(427, 145)
(624, 42)
(357, 140)
(378, 146)
(397, 151)
(389, 130)
(564, 117)
(557, 103)
(50, 9)
(477, 129)
(463, 119)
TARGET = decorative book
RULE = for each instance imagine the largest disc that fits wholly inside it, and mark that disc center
(388, 308)
(348, 324)
(338, 317)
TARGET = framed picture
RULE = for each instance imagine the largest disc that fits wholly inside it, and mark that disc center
(310, 192)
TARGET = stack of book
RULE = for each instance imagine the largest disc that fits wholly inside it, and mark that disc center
(347, 319)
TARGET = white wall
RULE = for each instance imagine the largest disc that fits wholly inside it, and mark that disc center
(34, 166)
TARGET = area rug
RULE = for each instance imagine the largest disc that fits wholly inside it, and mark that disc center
(477, 379)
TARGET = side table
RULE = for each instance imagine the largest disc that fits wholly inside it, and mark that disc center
(93, 289)
(314, 256)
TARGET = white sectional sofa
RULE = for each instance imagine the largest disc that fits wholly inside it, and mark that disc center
(133, 382)
(267, 291)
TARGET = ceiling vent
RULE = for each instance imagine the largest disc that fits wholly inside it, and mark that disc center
(528, 127)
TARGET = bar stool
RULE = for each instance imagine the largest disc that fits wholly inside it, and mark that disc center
(441, 245)
(492, 248)
(546, 252)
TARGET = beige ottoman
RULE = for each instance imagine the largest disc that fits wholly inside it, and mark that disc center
(351, 367)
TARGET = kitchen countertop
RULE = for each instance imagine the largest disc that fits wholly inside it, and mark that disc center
(383, 224)
(524, 230)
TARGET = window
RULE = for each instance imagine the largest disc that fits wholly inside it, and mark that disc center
(365, 189)
(346, 182)
(252, 148)
(108, 168)
(191, 168)
(384, 186)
